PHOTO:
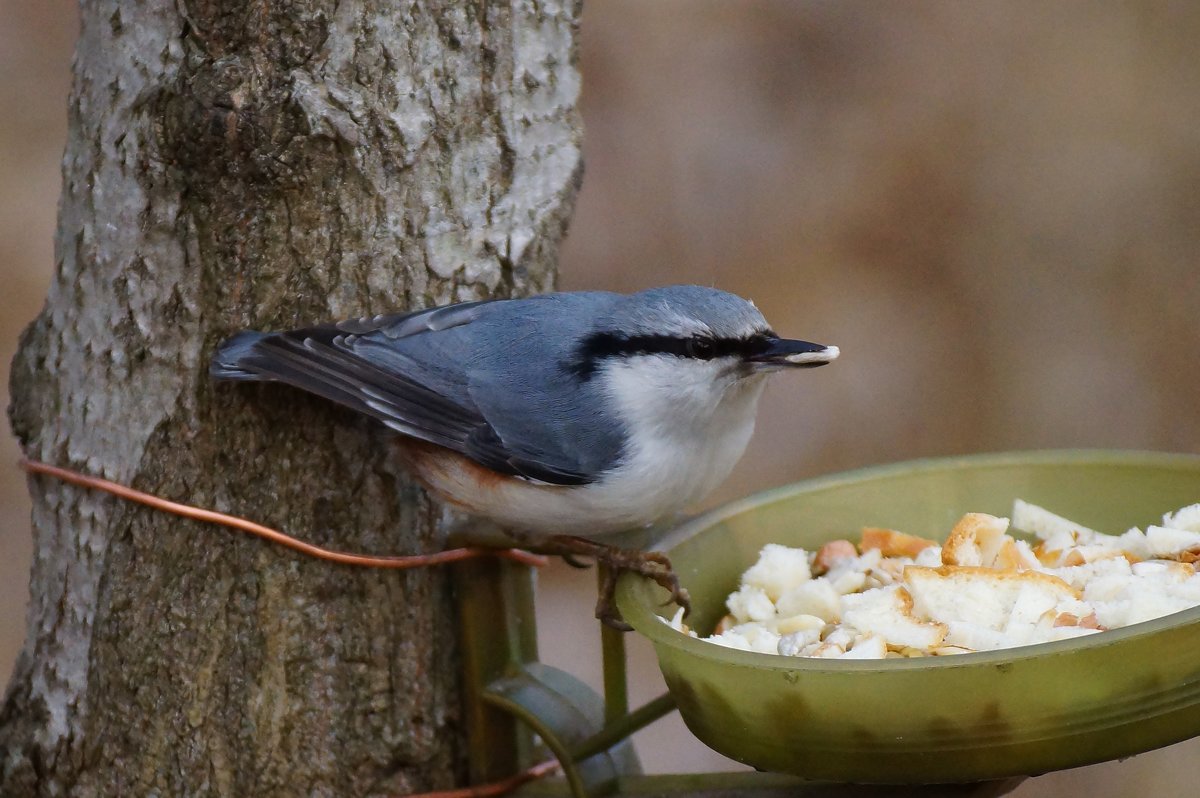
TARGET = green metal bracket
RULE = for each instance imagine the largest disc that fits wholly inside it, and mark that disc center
(511, 696)
(498, 637)
(565, 713)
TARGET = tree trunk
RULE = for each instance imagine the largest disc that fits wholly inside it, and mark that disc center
(265, 165)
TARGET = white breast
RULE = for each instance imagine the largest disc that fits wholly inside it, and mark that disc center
(689, 423)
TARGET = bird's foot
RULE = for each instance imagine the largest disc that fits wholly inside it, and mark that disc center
(650, 564)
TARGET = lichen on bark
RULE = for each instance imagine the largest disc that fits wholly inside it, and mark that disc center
(234, 166)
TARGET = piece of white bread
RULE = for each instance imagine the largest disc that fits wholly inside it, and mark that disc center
(749, 637)
(867, 647)
(750, 603)
(1149, 589)
(1046, 525)
(850, 575)
(1186, 518)
(1168, 542)
(1142, 600)
(888, 612)
(892, 543)
(975, 540)
(676, 623)
(806, 624)
(1089, 574)
(979, 596)
(982, 540)
(814, 597)
(779, 568)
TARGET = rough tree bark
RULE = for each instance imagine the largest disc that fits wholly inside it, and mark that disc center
(232, 165)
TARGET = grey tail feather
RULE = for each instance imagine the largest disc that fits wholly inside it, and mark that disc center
(227, 363)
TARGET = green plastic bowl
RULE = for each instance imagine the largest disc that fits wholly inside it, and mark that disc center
(964, 718)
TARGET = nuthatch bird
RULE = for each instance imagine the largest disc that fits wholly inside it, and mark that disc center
(566, 417)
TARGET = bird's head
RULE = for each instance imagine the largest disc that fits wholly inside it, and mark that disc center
(695, 334)
(688, 349)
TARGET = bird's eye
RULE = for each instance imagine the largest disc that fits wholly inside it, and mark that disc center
(701, 348)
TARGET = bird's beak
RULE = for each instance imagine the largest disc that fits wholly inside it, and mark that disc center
(785, 353)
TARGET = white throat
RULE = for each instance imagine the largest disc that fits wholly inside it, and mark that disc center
(688, 421)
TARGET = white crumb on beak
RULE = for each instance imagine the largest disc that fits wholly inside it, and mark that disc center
(824, 356)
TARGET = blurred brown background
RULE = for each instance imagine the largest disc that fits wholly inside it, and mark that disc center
(993, 209)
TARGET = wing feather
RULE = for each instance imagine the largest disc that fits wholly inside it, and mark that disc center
(365, 364)
(341, 377)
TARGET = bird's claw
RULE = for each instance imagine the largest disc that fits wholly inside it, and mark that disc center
(656, 566)
(653, 565)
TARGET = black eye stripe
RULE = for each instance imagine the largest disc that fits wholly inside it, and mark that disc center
(701, 349)
(599, 346)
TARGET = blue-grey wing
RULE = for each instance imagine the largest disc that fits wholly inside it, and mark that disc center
(543, 415)
(419, 374)
(403, 325)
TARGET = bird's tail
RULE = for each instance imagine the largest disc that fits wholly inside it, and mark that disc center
(227, 362)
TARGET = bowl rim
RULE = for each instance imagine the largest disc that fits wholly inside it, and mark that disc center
(631, 589)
